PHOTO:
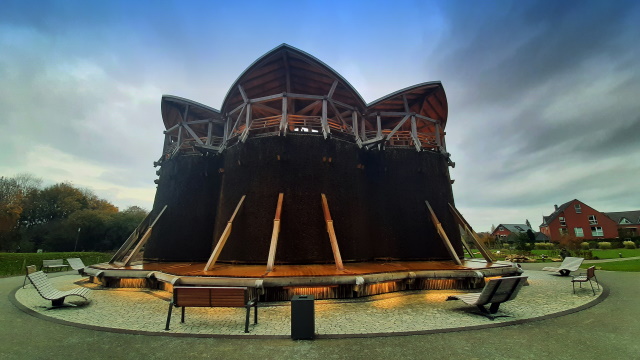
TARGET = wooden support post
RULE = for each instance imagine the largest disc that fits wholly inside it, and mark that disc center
(223, 239)
(274, 234)
(332, 234)
(143, 240)
(135, 235)
(443, 235)
(325, 125)
(354, 125)
(283, 120)
(466, 246)
(414, 134)
(474, 237)
(209, 132)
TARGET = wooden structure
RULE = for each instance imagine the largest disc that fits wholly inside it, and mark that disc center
(292, 131)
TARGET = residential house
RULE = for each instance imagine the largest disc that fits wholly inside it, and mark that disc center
(575, 218)
(503, 232)
(628, 222)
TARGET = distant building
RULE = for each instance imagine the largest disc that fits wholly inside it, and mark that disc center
(628, 222)
(503, 231)
(575, 218)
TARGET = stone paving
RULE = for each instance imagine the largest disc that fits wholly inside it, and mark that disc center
(144, 310)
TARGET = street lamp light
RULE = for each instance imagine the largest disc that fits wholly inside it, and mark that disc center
(77, 237)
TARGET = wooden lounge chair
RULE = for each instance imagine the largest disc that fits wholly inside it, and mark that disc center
(495, 293)
(29, 269)
(46, 290)
(77, 264)
(568, 265)
(590, 274)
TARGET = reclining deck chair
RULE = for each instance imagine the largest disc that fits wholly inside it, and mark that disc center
(495, 293)
(568, 265)
(77, 264)
(41, 282)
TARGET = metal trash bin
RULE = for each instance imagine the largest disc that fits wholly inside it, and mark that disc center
(303, 324)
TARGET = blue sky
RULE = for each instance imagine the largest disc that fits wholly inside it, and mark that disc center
(543, 95)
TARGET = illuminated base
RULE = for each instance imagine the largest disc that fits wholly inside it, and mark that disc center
(321, 280)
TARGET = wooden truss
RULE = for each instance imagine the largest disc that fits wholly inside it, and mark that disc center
(283, 113)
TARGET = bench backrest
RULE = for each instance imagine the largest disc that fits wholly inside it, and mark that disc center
(501, 289)
(30, 269)
(76, 263)
(202, 296)
(46, 263)
(571, 263)
(591, 272)
(41, 282)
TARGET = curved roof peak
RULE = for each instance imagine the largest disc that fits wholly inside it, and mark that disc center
(293, 64)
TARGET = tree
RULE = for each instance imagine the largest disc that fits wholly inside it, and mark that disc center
(522, 242)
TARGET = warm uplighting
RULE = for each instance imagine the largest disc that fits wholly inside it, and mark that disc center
(319, 292)
(133, 283)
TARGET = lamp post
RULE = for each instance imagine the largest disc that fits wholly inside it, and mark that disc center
(77, 237)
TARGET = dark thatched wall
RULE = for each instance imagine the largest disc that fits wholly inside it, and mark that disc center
(376, 200)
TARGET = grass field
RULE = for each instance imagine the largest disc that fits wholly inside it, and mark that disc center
(13, 263)
(626, 265)
(601, 254)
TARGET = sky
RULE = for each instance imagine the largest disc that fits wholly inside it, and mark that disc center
(544, 96)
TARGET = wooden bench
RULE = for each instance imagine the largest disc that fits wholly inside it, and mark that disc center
(53, 264)
(46, 290)
(495, 293)
(201, 296)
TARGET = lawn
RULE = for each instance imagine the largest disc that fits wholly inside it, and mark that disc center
(626, 265)
(600, 254)
(13, 263)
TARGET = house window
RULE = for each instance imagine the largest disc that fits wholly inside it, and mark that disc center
(593, 220)
(624, 221)
(578, 209)
(596, 231)
(562, 221)
(501, 228)
(563, 231)
(579, 232)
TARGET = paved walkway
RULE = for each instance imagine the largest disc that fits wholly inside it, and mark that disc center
(611, 327)
(410, 312)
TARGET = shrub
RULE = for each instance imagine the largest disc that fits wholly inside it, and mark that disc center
(629, 245)
(544, 246)
(604, 245)
(585, 246)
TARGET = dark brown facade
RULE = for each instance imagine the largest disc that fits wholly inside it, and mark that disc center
(292, 125)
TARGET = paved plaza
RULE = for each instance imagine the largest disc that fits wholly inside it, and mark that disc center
(144, 310)
(545, 322)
